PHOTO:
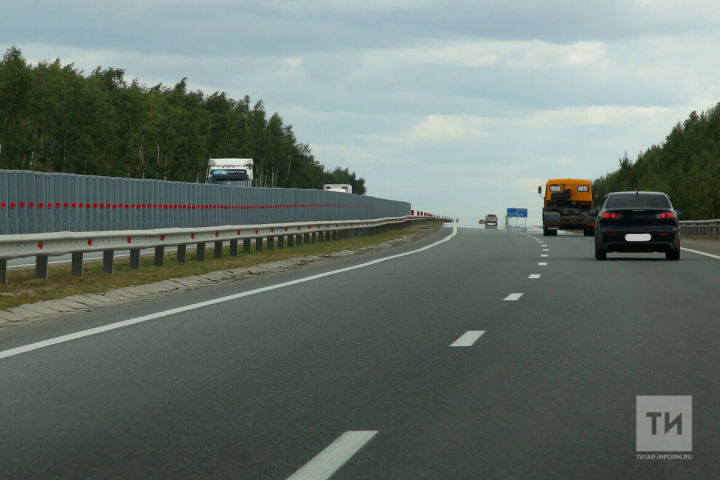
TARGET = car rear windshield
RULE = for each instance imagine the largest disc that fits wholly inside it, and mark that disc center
(637, 200)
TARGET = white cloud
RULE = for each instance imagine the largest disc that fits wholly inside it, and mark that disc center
(449, 127)
(592, 115)
(533, 54)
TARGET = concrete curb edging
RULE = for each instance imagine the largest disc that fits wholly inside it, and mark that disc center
(92, 301)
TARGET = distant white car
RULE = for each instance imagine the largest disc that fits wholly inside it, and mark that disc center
(491, 220)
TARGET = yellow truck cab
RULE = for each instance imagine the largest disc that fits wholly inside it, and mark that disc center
(567, 204)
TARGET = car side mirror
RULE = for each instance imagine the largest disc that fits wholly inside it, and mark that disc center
(592, 212)
(678, 212)
(539, 190)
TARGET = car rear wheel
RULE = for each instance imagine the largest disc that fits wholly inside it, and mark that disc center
(600, 253)
(673, 254)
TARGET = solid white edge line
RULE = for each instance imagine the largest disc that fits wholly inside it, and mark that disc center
(700, 253)
(468, 338)
(165, 313)
(327, 462)
(512, 297)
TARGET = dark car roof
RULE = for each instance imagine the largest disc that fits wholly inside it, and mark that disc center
(659, 199)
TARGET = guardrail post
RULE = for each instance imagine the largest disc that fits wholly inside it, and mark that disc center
(233, 248)
(218, 249)
(291, 240)
(108, 261)
(321, 236)
(298, 239)
(259, 244)
(3, 271)
(181, 253)
(281, 241)
(246, 245)
(41, 267)
(200, 252)
(77, 264)
(306, 238)
(314, 237)
(271, 242)
(135, 259)
(159, 255)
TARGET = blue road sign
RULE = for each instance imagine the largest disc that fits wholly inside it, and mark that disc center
(517, 212)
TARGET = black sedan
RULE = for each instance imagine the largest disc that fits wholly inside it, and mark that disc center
(637, 222)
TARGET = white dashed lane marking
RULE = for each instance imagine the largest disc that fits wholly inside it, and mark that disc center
(534, 275)
(468, 338)
(334, 456)
(513, 297)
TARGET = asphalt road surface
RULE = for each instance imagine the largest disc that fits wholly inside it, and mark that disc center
(467, 360)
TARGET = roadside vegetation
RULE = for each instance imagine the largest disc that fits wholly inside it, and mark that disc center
(23, 288)
(686, 166)
(55, 118)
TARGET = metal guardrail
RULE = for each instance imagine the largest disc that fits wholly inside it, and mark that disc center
(44, 245)
(701, 228)
(47, 214)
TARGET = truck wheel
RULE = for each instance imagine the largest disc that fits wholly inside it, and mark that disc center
(553, 233)
(546, 232)
(673, 254)
(600, 253)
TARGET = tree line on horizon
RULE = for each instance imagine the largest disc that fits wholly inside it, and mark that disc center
(686, 166)
(54, 118)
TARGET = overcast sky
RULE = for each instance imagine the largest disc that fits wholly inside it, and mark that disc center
(460, 107)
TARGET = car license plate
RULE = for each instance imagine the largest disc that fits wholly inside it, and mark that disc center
(637, 237)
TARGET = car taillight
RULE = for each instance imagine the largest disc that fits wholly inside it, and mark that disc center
(666, 215)
(611, 215)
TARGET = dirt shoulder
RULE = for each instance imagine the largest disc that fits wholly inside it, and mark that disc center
(26, 299)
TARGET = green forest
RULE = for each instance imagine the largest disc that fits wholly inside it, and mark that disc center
(686, 167)
(54, 118)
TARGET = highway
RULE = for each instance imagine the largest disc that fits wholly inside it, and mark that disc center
(492, 354)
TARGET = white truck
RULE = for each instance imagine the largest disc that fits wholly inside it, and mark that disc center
(338, 187)
(237, 172)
